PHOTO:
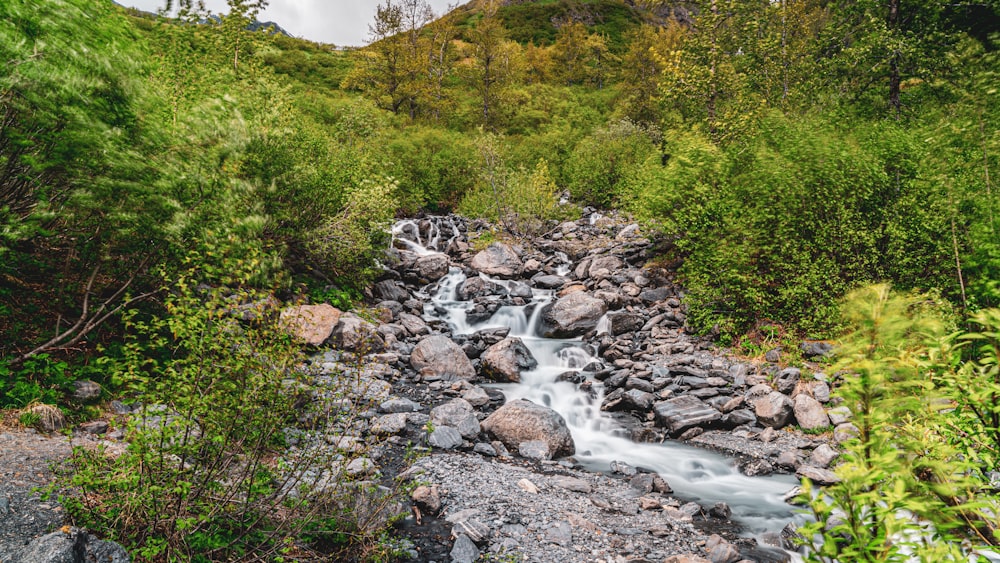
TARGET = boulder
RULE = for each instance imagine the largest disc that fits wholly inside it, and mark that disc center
(71, 545)
(684, 412)
(774, 410)
(620, 323)
(439, 355)
(312, 324)
(390, 290)
(478, 287)
(604, 266)
(572, 315)
(814, 349)
(357, 335)
(498, 260)
(431, 267)
(810, 413)
(458, 414)
(445, 438)
(85, 391)
(505, 360)
(549, 281)
(787, 379)
(523, 421)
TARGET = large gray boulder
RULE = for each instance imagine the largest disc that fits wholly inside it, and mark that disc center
(311, 324)
(523, 421)
(573, 315)
(431, 267)
(505, 360)
(439, 355)
(498, 260)
(357, 335)
(774, 410)
(458, 414)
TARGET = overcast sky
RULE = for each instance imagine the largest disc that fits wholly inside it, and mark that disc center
(341, 22)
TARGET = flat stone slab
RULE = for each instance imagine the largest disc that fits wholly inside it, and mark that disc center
(685, 412)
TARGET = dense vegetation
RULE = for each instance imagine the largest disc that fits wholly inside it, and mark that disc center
(783, 153)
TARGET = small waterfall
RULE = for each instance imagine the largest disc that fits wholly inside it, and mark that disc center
(694, 473)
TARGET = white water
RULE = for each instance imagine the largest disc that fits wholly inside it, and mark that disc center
(695, 474)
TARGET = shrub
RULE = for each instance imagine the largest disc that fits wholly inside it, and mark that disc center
(601, 161)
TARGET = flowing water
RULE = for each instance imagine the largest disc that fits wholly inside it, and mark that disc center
(695, 474)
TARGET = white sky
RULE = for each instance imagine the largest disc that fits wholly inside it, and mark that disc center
(340, 22)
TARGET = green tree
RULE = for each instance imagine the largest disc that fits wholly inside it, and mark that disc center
(495, 62)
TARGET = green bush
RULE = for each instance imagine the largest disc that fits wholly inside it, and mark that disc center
(604, 159)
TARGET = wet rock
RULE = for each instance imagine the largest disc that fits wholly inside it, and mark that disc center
(440, 356)
(774, 410)
(312, 324)
(390, 290)
(572, 315)
(357, 335)
(505, 360)
(475, 287)
(498, 259)
(809, 413)
(458, 414)
(684, 412)
(522, 421)
(431, 267)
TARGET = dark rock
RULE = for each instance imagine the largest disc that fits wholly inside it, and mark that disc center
(390, 290)
(445, 438)
(85, 391)
(651, 296)
(812, 349)
(787, 379)
(620, 323)
(549, 281)
(738, 417)
(773, 356)
(464, 550)
(681, 413)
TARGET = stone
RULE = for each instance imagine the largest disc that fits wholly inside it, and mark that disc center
(608, 263)
(70, 545)
(844, 432)
(458, 414)
(721, 510)
(85, 391)
(786, 380)
(399, 405)
(723, 552)
(96, 427)
(572, 315)
(561, 533)
(474, 529)
(390, 290)
(527, 486)
(431, 267)
(360, 467)
(534, 449)
(680, 413)
(774, 410)
(621, 323)
(738, 417)
(773, 355)
(357, 335)
(445, 438)
(413, 324)
(464, 550)
(427, 499)
(573, 484)
(476, 396)
(686, 558)
(504, 361)
(476, 286)
(810, 413)
(812, 349)
(312, 324)
(499, 260)
(522, 421)
(441, 356)
(389, 424)
(549, 281)
(817, 475)
(789, 459)
(823, 456)
(839, 415)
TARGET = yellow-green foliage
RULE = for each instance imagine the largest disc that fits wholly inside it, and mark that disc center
(523, 200)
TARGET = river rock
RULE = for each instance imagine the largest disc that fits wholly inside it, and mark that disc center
(311, 324)
(522, 421)
(85, 391)
(440, 356)
(774, 410)
(498, 259)
(810, 413)
(504, 361)
(604, 266)
(823, 456)
(458, 414)
(817, 475)
(431, 267)
(71, 545)
(787, 379)
(413, 324)
(839, 415)
(427, 499)
(357, 335)
(620, 323)
(684, 412)
(572, 315)
(549, 281)
(464, 550)
(390, 290)
(814, 349)
(445, 438)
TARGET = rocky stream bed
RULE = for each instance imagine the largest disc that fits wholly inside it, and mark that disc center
(566, 412)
